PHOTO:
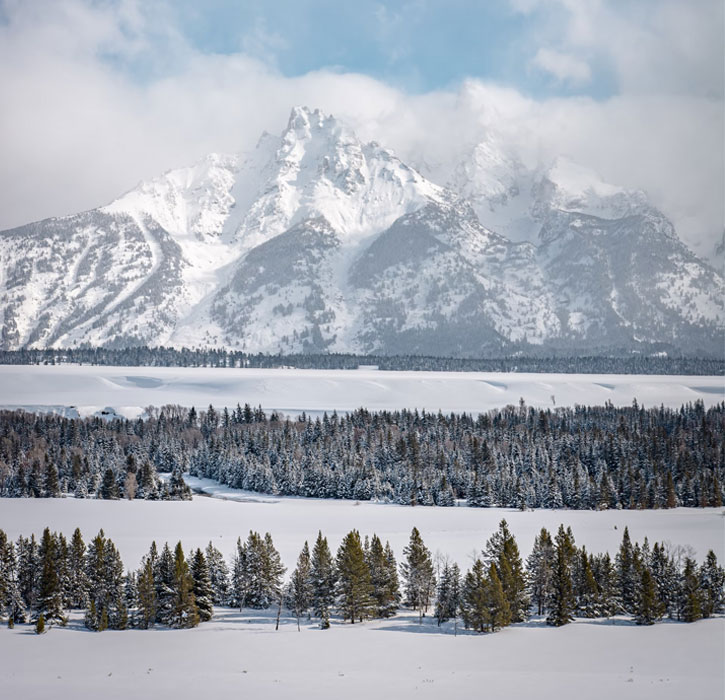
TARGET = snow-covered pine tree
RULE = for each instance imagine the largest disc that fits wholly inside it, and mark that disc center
(219, 574)
(203, 588)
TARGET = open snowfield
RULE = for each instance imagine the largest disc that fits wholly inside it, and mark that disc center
(130, 389)
(456, 532)
(242, 656)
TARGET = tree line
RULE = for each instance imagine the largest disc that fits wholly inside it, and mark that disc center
(40, 581)
(518, 456)
(650, 360)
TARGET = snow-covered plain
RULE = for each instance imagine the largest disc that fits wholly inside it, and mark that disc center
(131, 389)
(243, 655)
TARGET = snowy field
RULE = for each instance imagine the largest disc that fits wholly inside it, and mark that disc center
(129, 390)
(457, 532)
(242, 656)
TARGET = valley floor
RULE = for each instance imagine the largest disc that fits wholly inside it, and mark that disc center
(84, 390)
(241, 656)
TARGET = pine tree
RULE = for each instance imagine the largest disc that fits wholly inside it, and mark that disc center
(164, 582)
(324, 579)
(77, 579)
(627, 577)
(184, 612)
(474, 599)
(146, 588)
(299, 591)
(540, 569)
(503, 553)
(588, 603)
(690, 598)
(50, 596)
(499, 610)
(354, 587)
(561, 603)
(219, 574)
(40, 624)
(383, 576)
(712, 586)
(418, 574)
(449, 593)
(203, 589)
(648, 607)
(109, 489)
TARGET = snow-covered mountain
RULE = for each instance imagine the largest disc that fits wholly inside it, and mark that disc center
(318, 242)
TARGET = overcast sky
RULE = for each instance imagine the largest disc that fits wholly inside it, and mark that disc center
(99, 94)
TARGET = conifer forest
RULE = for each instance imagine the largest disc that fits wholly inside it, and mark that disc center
(580, 458)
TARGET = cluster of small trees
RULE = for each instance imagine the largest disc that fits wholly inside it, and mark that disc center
(582, 458)
(527, 359)
(41, 581)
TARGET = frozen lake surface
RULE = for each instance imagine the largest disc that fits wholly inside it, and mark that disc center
(128, 390)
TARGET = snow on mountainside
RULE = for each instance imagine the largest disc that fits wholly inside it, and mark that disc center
(316, 241)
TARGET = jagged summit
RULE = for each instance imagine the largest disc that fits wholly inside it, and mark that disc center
(316, 240)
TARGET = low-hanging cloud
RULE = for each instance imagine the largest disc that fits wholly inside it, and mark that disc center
(95, 99)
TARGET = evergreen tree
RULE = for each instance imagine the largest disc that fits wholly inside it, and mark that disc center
(50, 595)
(449, 593)
(146, 589)
(690, 598)
(203, 589)
(219, 575)
(627, 575)
(324, 579)
(383, 576)
(648, 608)
(502, 551)
(109, 489)
(561, 603)
(299, 591)
(354, 587)
(164, 583)
(588, 602)
(540, 569)
(474, 598)
(712, 586)
(77, 579)
(184, 612)
(418, 574)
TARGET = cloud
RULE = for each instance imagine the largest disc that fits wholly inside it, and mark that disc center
(99, 96)
(565, 67)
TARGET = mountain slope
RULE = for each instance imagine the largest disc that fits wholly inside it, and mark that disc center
(318, 242)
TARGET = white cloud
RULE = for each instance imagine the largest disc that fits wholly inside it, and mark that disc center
(75, 131)
(565, 67)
